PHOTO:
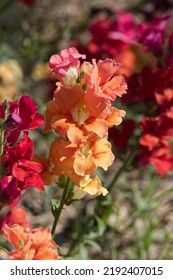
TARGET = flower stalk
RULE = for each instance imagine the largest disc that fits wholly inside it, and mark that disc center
(60, 208)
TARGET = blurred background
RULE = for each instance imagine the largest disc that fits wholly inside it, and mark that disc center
(135, 220)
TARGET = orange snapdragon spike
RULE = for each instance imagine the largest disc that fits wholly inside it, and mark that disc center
(82, 100)
(35, 244)
(81, 113)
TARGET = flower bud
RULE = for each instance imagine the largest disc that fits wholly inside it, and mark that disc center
(12, 121)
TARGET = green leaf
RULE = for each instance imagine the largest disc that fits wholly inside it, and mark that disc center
(101, 225)
(94, 244)
(83, 252)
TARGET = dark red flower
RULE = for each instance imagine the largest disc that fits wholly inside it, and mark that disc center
(121, 136)
(9, 190)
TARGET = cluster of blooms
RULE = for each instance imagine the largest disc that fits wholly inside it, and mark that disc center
(150, 84)
(112, 37)
(18, 171)
(31, 244)
(81, 113)
(153, 87)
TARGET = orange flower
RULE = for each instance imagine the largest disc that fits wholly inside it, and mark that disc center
(82, 105)
(79, 161)
(35, 244)
(75, 114)
(16, 215)
(87, 185)
(82, 159)
(102, 77)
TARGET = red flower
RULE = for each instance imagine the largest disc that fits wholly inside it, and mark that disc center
(27, 173)
(154, 143)
(122, 134)
(23, 150)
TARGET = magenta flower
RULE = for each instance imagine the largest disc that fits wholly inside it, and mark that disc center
(152, 36)
(26, 109)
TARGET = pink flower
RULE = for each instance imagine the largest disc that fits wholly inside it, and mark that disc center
(67, 58)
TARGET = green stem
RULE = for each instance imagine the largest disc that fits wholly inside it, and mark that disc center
(60, 208)
(121, 169)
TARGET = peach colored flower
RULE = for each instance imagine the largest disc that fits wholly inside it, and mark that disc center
(87, 185)
(75, 115)
(102, 77)
(83, 159)
(80, 161)
(35, 244)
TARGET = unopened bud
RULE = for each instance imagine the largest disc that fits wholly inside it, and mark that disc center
(12, 121)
